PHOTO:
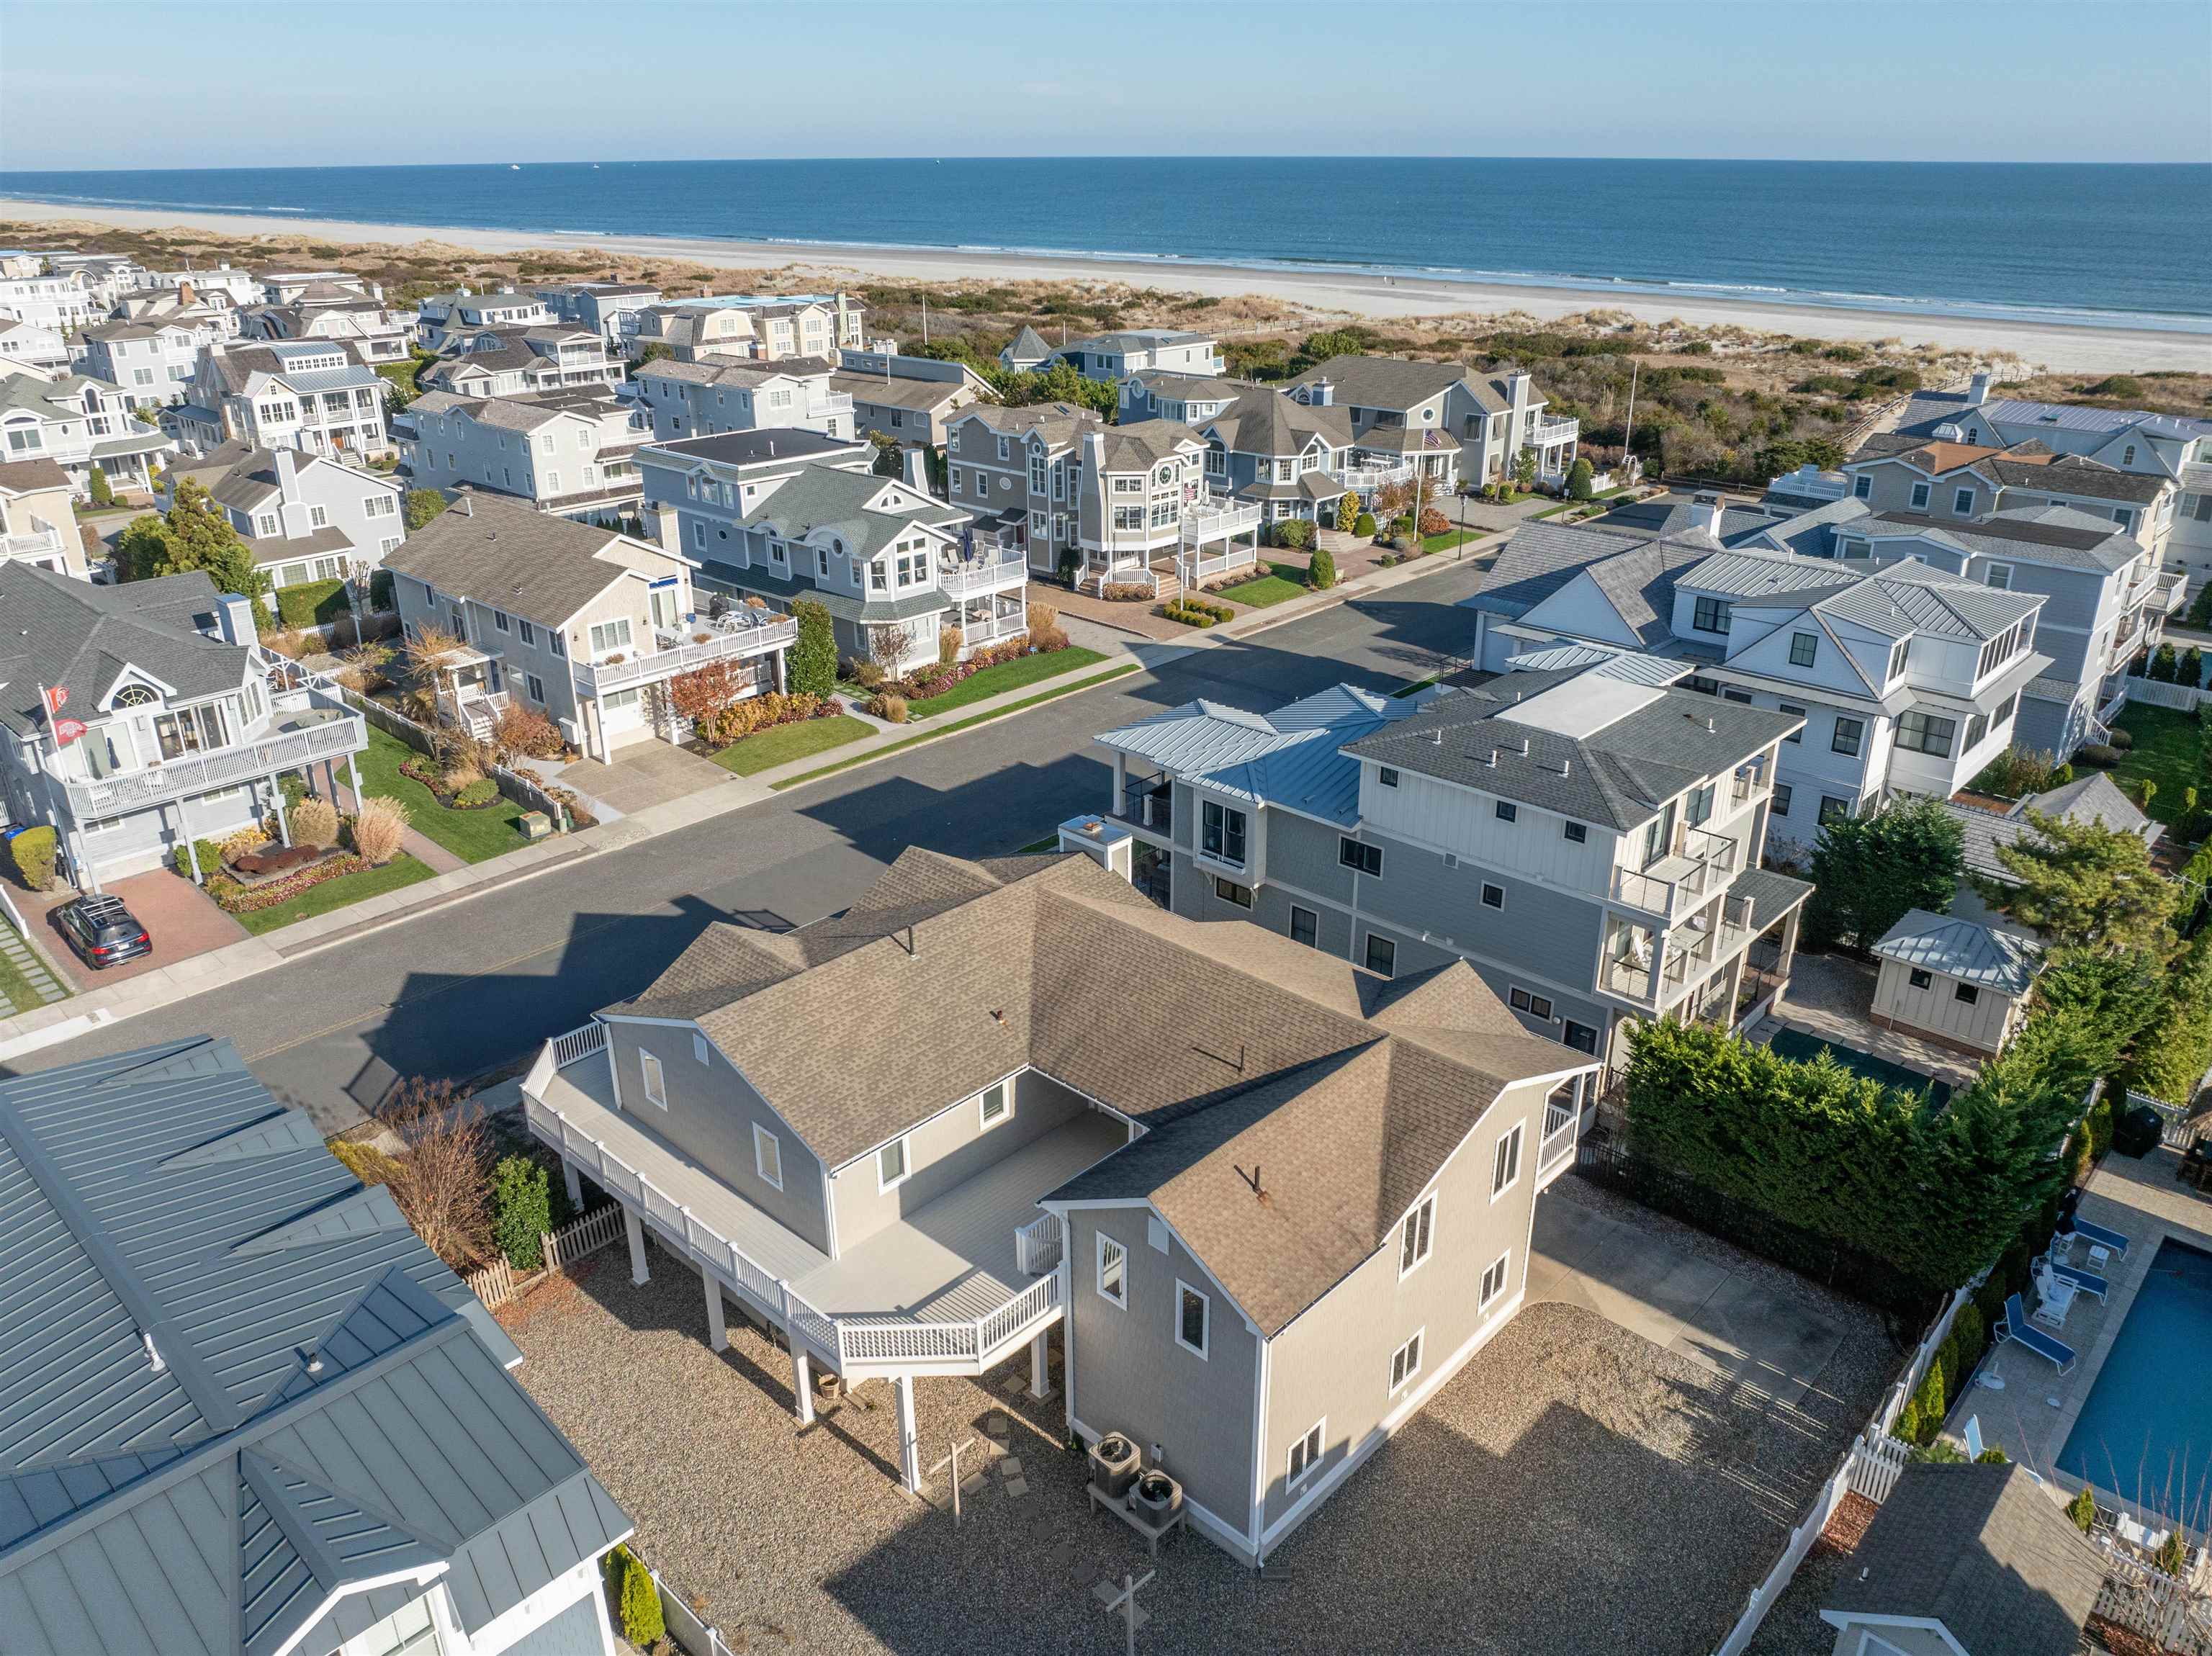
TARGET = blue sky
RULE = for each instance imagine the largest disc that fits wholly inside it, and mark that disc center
(86, 85)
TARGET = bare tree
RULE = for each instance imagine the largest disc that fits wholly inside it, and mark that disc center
(890, 642)
(439, 1176)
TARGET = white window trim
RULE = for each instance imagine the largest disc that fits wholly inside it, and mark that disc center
(905, 1165)
(1427, 1246)
(1503, 1264)
(1120, 1303)
(763, 1139)
(1317, 1434)
(1515, 1135)
(1419, 1339)
(1205, 1308)
(699, 1047)
(655, 1082)
(984, 1119)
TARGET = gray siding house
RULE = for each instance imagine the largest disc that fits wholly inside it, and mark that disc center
(1440, 420)
(249, 1413)
(1583, 835)
(1019, 471)
(931, 1189)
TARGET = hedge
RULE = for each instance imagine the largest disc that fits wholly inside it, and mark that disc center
(32, 852)
(313, 604)
(522, 1210)
(636, 1601)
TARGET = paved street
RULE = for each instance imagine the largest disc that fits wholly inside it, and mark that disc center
(477, 985)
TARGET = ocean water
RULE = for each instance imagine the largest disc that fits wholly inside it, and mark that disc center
(2116, 245)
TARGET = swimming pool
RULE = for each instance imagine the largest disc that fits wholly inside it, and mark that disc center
(2146, 1431)
(1804, 1049)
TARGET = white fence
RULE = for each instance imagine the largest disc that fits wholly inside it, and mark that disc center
(2174, 1127)
(500, 1281)
(1036, 1244)
(2151, 692)
(697, 1635)
(2156, 1606)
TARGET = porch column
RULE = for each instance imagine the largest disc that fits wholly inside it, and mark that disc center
(802, 1383)
(1789, 949)
(573, 1179)
(1119, 805)
(184, 830)
(634, 1228)
(717, 1333)
(87, 876)
(353, 780)
(283, 822)
(909, 1439)
(1041, 1364)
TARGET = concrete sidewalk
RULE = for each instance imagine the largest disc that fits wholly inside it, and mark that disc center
(50, 1025)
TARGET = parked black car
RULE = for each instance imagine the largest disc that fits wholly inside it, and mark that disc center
(103, 931)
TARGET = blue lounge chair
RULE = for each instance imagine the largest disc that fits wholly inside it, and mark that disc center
(2100, 1236)
(2088, 1282)
(2016, 1327)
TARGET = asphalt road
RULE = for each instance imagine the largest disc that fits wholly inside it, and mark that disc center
(476, 986)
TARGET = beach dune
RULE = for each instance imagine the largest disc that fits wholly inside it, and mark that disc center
(2061, 347)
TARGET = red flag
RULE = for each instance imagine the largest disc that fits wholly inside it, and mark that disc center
(57, 698)
(67, 730)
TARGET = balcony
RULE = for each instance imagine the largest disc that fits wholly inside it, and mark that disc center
(1700, 864)
(1202, 524)
(949, 1287)
(2173, 592)
(992, 569)
(734, 637)
(1366, 479)
(1554, 433)
(1149, 804)
(295, 738)
(38, 545)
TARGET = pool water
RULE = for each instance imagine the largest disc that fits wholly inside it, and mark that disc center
(2145, 1433)
(1804, 1049)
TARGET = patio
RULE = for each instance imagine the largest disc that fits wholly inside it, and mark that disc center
(181, 920)
(1831, 998)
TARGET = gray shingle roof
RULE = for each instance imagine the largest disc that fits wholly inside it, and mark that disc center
(1131, 448)
(847, 504)
(533, 564)
(1029, 346)
(1357, 1090)
(1541, 559)
(1265, 422)
(1960, 948)
(2092, 799)
(1383, 382)
(55, 631)
(324, 1412)
(1984, 1551)
(22, 476)
(1059, 423)
(2061, 534)
(1616, 775)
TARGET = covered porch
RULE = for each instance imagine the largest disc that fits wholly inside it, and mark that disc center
(954, 1287)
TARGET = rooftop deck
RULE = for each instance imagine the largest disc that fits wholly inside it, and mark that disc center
(941, 1289)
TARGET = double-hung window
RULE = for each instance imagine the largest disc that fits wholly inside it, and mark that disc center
(1305, 926)
(1192, 1312)
(1113, 1271)
(1493, 1281)
(768, 1156)
(1404, 1363)
(1221, 832)
(1505, 1162)
(1710, 615)
(1848, 733)
(610, 636)
(1305, 1455)
(656, 1084)
(1920, 497)
(1416, 1236)
(1962, 503)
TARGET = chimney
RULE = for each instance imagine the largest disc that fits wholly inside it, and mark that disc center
(233, 618)
(1519, 387)
(1978, 390)
(1320, 394)
(465, 502)
(185, 295)
(1706, 516)
(913, 471)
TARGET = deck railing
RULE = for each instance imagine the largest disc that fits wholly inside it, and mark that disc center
(987, 571)
(1036, 1244)
(174, 778)
(727, 642)
(892, 1344)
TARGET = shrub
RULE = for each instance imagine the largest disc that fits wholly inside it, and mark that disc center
(1126, 593)
(2117, 384)
(868, 674)
(2162, 666)
(2192, 669)
(1043, 618)
(1907, 1428)
(1929, 1400)
(522, 1210)
(209, 851)
(1046, 639)
(811, 668)
(526, 732)
(2097, 755)
(1347, 514)
(2200, 608)
(1296, 534)
(380, 595)
(889, 707)
(1402, 543)
(379, 827)
(423, 504)
(949, 641)
(2122, 738)
(1320, 573)
(475, 795)
(314, 822)
(637, 1602)
(313, 604)
(2015, 773)
(2173, 1554)
(103, 492)
(32, 852)
(1938, 1453)
(439, 1180)
(1365, 524)
(2082, 1510)
(1993, 1456)
(740, 719)
(1580, 480)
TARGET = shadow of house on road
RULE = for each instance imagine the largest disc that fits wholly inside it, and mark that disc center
(1576, 1537)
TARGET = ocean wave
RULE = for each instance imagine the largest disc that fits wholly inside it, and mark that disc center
(155, 205)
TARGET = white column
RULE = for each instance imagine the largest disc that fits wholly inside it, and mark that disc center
(1120, 804)
(802, 1383)
(717, 1334)
(909, 1439)
(1041, 1364)
(574, 1180)
(634, 1229)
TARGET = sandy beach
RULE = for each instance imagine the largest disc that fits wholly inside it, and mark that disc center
(2064, 349)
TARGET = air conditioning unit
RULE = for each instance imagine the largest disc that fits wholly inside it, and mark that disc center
(1155, 1497)
(1114, 1463)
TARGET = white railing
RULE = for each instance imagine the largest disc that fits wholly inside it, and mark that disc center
(1550, 433)
(1364, 478)
(1195, 567)
(984, 573)
(1557, 1150)
(176, 777)
(2162, 1608)
(39, 543)
(892, 1343)
(578, 1044)
(1036, 1244)
(596, 678)
(1208, 523)
(2175, 590)
(2183, 698)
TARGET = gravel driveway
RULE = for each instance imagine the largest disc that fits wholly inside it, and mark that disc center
(1574, 1489)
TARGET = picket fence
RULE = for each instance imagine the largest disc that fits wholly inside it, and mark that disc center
(500, 1281)
(2183, 698)
(2156, 1606)
(524, 790)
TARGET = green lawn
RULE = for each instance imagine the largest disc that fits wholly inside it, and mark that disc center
(781, 743)
(1450, 539)
(1284, 581)
(1013, 675)
(472, 835)
(2169, 750)
(401, 871)
(15, 988)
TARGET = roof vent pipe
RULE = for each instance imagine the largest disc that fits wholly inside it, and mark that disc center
(153, 1352)
(1709, 722)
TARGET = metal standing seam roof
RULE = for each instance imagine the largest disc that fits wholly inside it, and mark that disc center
(1961, 949)
(327, 1409)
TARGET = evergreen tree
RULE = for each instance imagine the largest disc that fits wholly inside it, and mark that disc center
(2162, 665)
(193, 534)
(423, 507)
(1579, 480)
(1868, 872)
(2174, 1050)
(2085, 885)
(811, 667)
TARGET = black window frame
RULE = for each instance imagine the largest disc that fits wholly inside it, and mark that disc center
(1710, 615)
(1576, 833)
(1389, 947)
(1858, 736)
(1783, 793)
(1226, 889)
(1358, 856)
(1965, 994)
(1798, 735)
(1488, 888)
(1919, 731)
(1313, 939)
(1387, 775)
(1218, 826)
(1916, 977)
(1507, 811)
(1581, 1037)
(1812, 643)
